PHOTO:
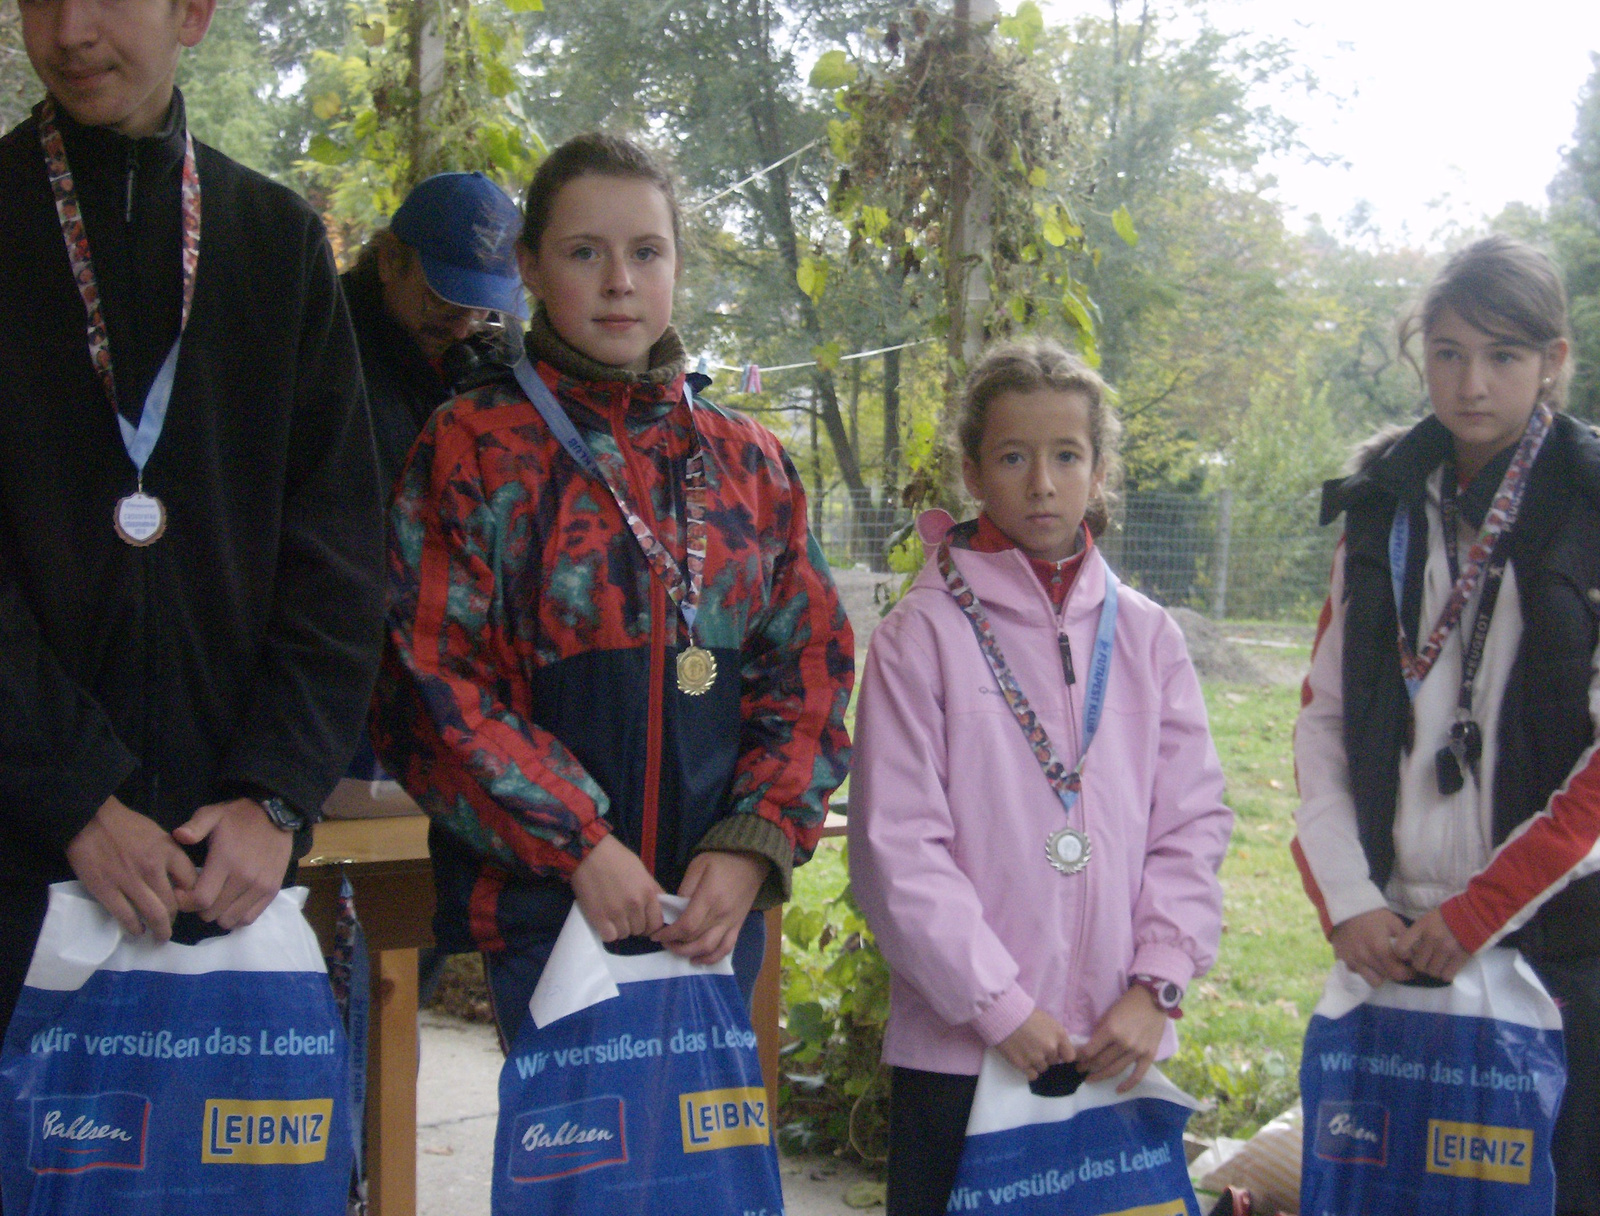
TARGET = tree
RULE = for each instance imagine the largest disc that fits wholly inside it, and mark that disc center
(721, 82)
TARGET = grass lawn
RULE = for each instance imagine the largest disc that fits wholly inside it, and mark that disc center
(1243, 1023)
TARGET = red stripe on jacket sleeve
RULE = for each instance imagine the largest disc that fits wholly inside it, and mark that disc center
(1309, 882)
(1534, 864)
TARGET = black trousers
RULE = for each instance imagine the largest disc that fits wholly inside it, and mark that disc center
(927, 1127)
(1575, 984)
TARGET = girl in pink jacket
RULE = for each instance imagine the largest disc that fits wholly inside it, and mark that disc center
(1036, 816)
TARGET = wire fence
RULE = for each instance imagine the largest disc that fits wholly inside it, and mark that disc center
(1223, 554)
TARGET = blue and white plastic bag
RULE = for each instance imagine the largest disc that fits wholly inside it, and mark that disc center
(141, 1079)
(1432, 1100)
(634, 1089)
(1093, 1152)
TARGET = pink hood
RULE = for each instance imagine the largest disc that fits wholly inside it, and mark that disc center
(949, 812)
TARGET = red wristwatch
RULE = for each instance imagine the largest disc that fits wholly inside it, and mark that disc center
(1169, 996)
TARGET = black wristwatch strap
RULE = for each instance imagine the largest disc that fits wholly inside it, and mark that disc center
(282, 814)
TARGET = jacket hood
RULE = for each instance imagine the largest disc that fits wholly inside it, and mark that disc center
(1396, 462)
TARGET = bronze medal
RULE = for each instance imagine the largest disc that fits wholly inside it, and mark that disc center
(140, 519)
(697, 671)
(1069, 850)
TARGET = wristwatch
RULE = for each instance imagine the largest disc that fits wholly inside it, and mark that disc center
(282, 814)
(1168, 995)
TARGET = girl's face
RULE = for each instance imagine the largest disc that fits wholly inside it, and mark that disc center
(605, 268)
(1483, 386)
(1036, 469)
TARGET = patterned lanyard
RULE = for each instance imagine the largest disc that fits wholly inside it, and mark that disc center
(1067, 783)
(1501, 516)
(684, 590)
(140, 441)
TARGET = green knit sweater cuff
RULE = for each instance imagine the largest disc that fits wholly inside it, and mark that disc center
(750, 833)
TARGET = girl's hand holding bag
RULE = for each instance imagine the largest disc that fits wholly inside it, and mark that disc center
(634, 1088)
(1087, 1152)
(1432, 1098)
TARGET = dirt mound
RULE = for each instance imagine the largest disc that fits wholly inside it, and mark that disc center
(1213, 655)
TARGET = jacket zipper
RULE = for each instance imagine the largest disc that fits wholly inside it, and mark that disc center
(650, 810)
(131, 181)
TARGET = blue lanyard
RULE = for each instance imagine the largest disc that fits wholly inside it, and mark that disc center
(1094, 697)
(684, 591)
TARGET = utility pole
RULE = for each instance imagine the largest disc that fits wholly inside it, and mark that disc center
(427, 79)
(971, 211)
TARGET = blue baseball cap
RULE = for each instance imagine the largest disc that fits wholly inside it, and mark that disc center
(464, 228)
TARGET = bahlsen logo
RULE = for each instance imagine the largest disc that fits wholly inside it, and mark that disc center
(239, 1132)
(723, 1118)
(71, 1134)
(1356, 1133)
(1472, 1150)
(558, 1141)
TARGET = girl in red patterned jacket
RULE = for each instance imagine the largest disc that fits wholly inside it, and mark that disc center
(617, 664)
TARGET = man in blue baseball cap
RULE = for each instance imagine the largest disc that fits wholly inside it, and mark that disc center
(427, 297)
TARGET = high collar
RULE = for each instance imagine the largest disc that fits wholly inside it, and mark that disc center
(668, 359)
(91, 150)
(1005, 581)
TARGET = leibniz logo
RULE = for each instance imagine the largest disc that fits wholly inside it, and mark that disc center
(558, 1141)
(74, 1133)
(266, 1132)
(723, 1118)
(1472, 1150)
(1356, 1133)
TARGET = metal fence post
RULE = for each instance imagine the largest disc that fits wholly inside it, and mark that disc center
(1219, 555)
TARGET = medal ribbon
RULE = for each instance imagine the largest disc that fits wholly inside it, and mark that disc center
(1067, 783)
(684, 590)
(1497, 522)
(140, 441)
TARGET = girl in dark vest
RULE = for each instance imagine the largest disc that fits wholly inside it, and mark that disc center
(1450, 790)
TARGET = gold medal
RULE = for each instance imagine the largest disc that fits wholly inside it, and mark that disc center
(697, 671)
(1069, 850)
(140, 519)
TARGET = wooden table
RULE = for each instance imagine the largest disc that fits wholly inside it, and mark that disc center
(387, 861)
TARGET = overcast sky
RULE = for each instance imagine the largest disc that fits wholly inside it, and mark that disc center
(1441, 110)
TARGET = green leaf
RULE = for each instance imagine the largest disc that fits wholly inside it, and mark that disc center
(1076, 312)
(1025, 27)
(1018, 308)
(525, 6)
(873, 221)
(827, 355)
(1052, 231)
(843, 136)
(1038, 178)
(498, 146)
(1123, 223)
(326, 106)
(326, 152)
(498, 78)
(373, 33)
(833, 70)
(812, 276)
(808, 1023)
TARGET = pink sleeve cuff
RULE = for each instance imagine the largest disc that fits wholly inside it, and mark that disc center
(1009, 1011)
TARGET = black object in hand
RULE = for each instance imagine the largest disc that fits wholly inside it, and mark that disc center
(1057, 1081)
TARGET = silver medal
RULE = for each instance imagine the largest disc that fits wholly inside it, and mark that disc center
(1068, 850)
(140, 519)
